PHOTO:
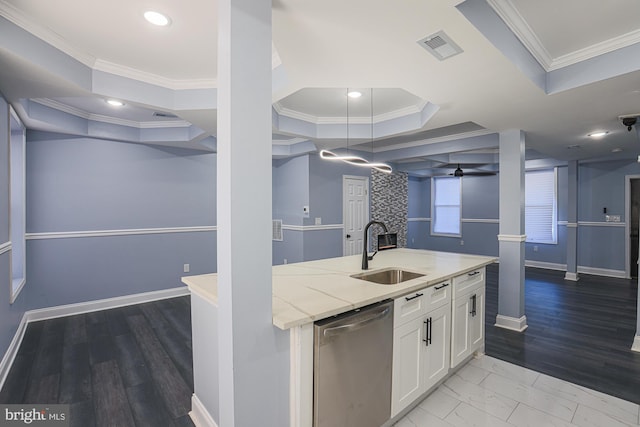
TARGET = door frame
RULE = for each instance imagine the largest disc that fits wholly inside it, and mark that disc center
(627, 224)
(344, 206)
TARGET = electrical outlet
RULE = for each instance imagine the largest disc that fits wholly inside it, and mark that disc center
(285, 261)
(461, 242)
(186, 268)
(318, 221)
(535, 249)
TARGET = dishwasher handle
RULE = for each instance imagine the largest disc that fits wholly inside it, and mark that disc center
(336, 330)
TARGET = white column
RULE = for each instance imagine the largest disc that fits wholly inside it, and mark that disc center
(636, 341)
(572, 222)
(251, 389)
(511, 237)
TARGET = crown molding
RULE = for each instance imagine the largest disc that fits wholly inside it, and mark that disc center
(360, 120)
(154, 79)
(519, 26)
(597, 49)
(16, 16)
(23, 21)
(480, 132)
(107, 119)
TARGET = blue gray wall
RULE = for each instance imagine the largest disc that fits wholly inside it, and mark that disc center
(601, 245)
(600, 185)
(10, 314)
(81, 184)
(308, 180)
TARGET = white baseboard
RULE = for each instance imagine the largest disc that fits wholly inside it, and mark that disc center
(12, 351)
(620, 274)
(547, 265)
(79, 308)
(511, 323)
(199, 414)
(103, 304)
(636, 344)
(571, 276)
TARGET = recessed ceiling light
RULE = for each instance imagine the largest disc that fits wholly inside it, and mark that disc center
(616, 150)
(598, 134)
(573, 146)
(157, 18)
(115, 102)
(354, 94)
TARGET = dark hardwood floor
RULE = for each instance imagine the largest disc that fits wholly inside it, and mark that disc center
(578, 331)
(132, 366)
(129, 366)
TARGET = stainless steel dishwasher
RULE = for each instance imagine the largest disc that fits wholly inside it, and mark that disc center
(352, 360)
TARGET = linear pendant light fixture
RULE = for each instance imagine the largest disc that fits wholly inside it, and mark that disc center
(355, 160)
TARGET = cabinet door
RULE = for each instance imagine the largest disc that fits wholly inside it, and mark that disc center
(476, 322)
(408, 364)
(460, 339)
(437, 349)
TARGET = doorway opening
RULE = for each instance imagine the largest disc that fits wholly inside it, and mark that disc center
(632, 225)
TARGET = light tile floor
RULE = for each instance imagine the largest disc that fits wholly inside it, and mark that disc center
(488, 392)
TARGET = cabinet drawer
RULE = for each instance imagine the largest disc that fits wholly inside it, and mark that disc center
(468, 282)
(418, 303)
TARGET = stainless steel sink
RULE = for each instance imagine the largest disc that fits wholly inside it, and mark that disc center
(387, 276)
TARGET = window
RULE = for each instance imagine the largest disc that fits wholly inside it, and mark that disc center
(446, 206)
(540, 206)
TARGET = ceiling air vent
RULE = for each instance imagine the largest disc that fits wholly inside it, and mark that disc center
(440, 45)
(164, 115)
(277, 229)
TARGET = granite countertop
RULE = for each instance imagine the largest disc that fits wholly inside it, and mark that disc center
(313, 290)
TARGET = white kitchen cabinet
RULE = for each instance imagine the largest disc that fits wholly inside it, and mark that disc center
(421, 343)
(467, 320)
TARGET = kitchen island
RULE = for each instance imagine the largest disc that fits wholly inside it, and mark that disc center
(306, 292)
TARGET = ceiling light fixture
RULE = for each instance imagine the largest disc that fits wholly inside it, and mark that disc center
(115, 103)
(157, 18)
(598, 134)
(355, 160)
(354, 94)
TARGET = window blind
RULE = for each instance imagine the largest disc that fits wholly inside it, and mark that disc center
(540, 206)
(446, 205)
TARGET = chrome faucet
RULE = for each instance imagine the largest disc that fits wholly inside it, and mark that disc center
(365, 253)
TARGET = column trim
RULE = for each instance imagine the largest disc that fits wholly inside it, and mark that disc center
(571, 276)
(512, 237)
(636, 344)
(199, 414)
(511, 323)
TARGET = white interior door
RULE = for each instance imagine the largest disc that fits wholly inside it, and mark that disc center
(355, 208)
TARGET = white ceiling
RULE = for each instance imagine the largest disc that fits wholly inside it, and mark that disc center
(325, 47)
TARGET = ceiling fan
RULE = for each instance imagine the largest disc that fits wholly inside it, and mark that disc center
(459, 172)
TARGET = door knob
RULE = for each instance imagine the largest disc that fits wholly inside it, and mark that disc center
(348, 236)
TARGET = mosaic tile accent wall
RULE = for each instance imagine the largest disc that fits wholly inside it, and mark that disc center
(389, 204)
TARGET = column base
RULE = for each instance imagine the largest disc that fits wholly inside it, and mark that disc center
(636, 344)
(571, 276)
(199, 414)
(511, 323)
